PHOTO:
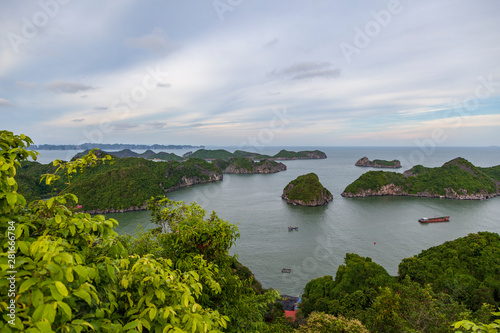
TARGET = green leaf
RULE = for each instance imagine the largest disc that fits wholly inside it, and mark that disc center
(11, 181)
(23, 247)
(55, 293)
(28, 283)
(69, 274)
(66, 309)
(58, 218)
(11, 199)
(152, 313)
(50, 202)
(132, 324)
(44, 326)
(81, 271)
(83, 295)
(37, 298)
(53, 268)
(49, 312)
(61, 288)
(38, 314)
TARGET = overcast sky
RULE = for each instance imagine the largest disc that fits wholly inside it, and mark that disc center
(230, 72)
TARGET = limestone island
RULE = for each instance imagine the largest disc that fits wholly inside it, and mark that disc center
(243, 165)
(365, 162)
(306, 190)
(456, 179)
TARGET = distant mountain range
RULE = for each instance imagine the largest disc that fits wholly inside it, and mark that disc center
(113, 146)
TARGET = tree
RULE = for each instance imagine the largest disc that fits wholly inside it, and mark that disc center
(72, 274)
(319, 322)
(492, 327)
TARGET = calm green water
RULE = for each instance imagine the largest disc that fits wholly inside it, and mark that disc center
(383, 228)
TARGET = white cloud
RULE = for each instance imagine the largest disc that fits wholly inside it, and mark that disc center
(68, 87)
(5, 103)
(157, 42)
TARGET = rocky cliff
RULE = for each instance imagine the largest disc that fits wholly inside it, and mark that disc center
(365, 162)
(306, 190)
(391, 189)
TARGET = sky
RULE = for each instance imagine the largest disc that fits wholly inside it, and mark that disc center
(252, 72)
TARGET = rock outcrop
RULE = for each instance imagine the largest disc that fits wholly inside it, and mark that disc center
(185, 181)
(365, 162)
(306, 190)
(144, 206)
(395, 190)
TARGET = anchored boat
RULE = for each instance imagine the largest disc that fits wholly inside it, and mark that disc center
(434, 219)
(293, 228)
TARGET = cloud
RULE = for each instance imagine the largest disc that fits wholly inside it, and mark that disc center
(271, 44)
(157, 124)
(79, 120)
(101, 108)
(305, 70)
(163, 85)
(68, 87)
(124, 126)
(157, 42)
(5, 103)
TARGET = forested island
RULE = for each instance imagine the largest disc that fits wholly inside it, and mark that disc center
(456, 179)
(365, 162)
(244, 165)
(306, 190)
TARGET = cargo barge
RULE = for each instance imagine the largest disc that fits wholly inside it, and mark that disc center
(434, 219)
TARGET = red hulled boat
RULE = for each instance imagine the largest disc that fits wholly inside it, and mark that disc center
(434, 219)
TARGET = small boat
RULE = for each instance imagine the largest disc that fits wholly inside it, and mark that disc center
(286, 270)
(434, 219)
(293, 228)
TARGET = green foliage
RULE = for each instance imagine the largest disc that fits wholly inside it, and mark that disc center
(355, 286)
(467, 269)
(440, 286)
(408, 307)
(190, 233)
(374, 180)
(492, 327)
(493, 172)
(458, 174)
(72, 274)
(211, 154)
(255, 156)
(286, 154)
(243, 163)
(319, 322)
(165, 156)
(386, 163)
(306, 188)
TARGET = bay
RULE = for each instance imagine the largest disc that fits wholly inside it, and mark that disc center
(383, 228)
